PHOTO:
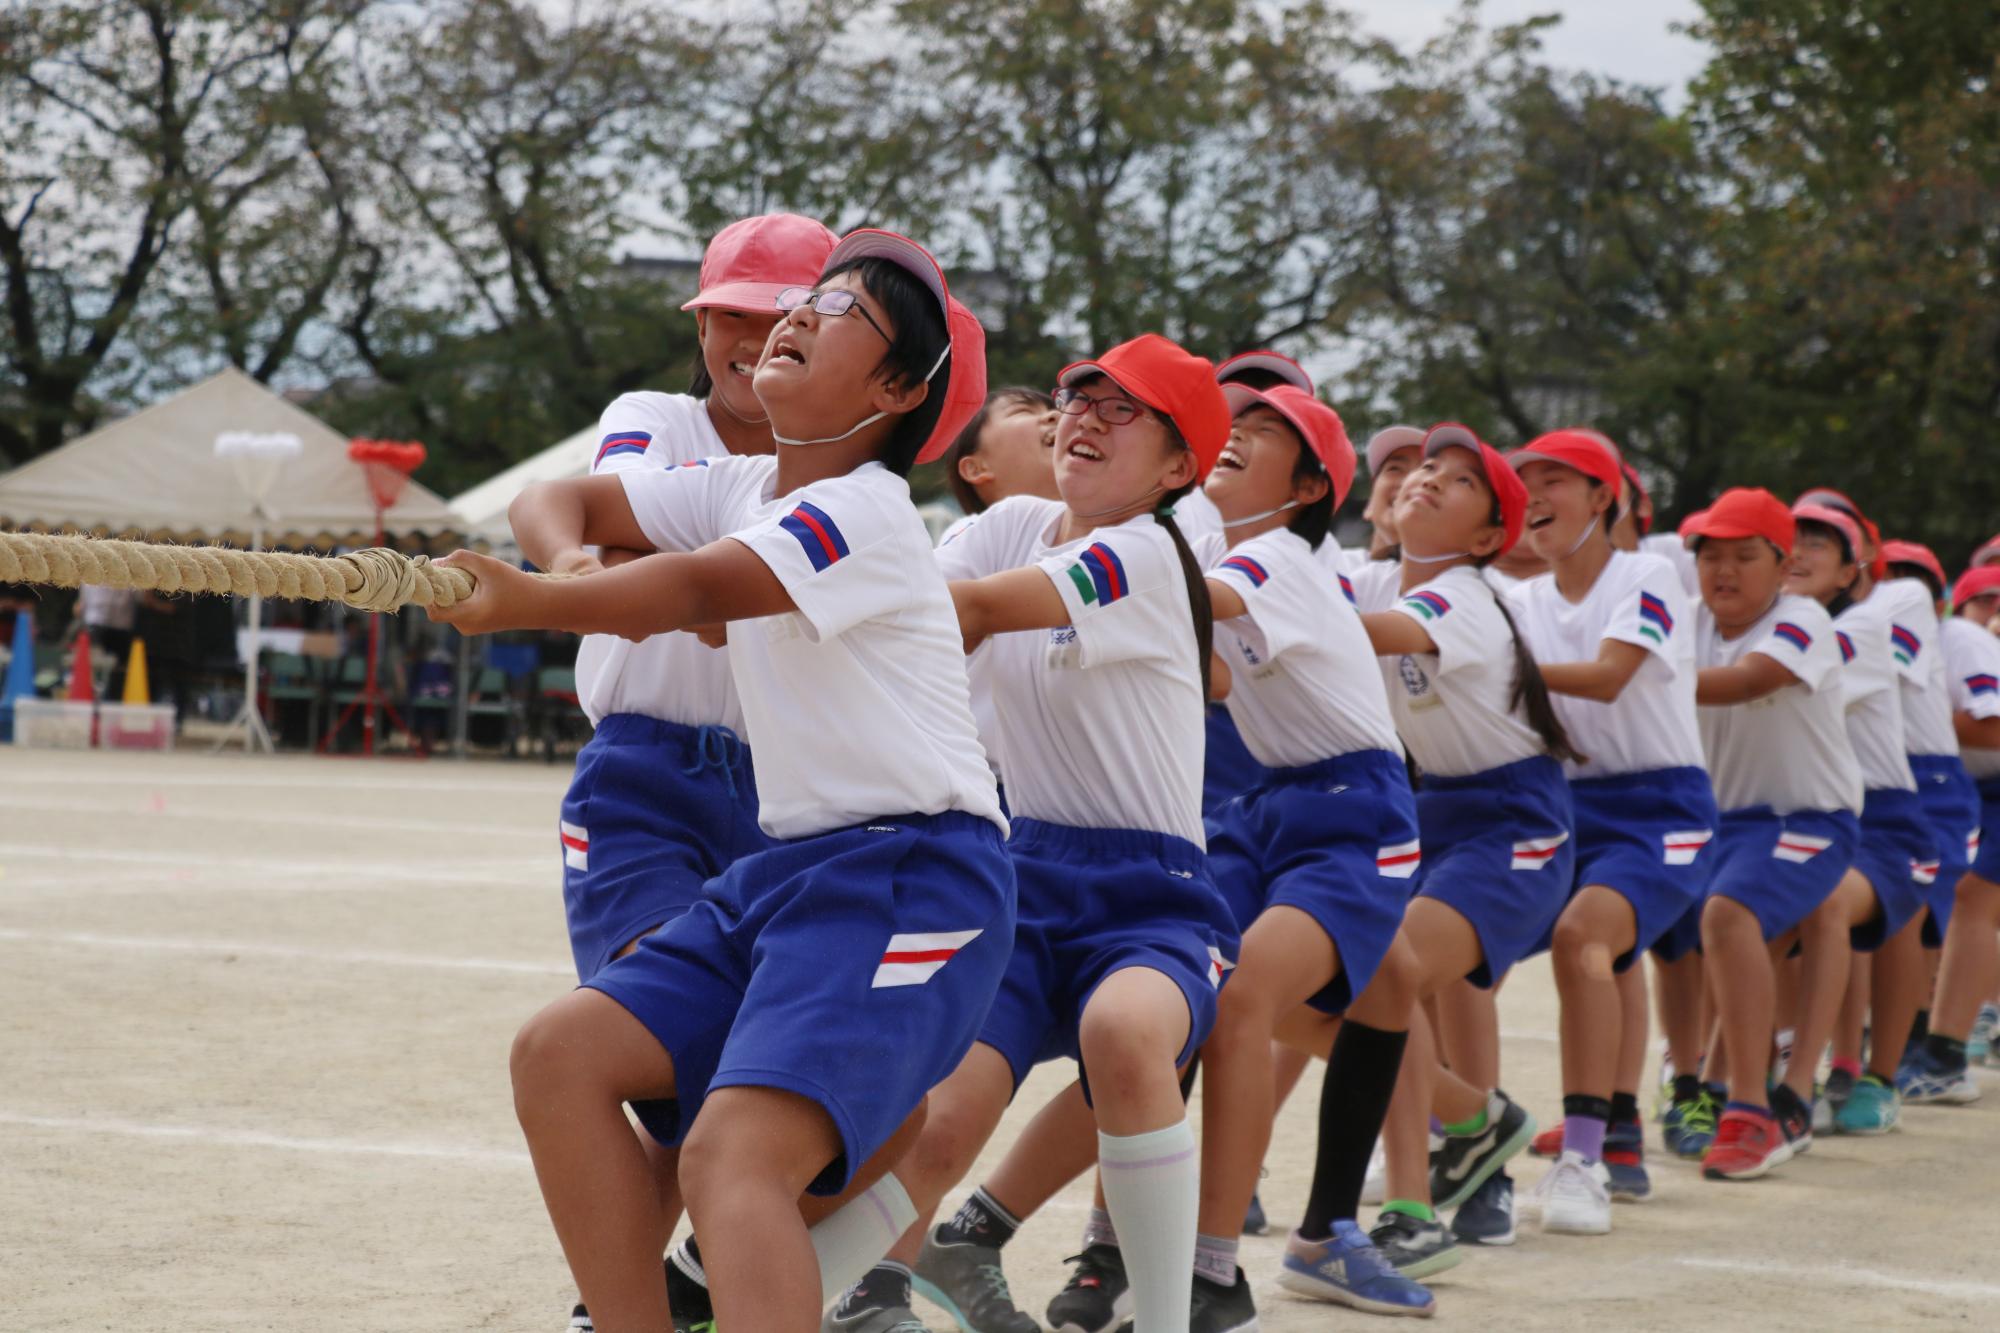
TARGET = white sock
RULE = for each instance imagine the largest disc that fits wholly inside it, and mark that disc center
(854, 1238)
(1151, 1186)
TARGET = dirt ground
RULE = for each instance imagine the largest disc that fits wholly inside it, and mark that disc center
(254, 1017)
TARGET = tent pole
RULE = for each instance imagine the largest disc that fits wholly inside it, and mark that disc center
(250, 718)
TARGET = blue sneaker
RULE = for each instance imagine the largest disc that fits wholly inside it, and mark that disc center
(1254, 1221)
(1347, 1269)
(1872, 1108)
(1625, 1160)
(1689, 1126)
(1487, 1218)
(1979, 1045)
(1924, 1081)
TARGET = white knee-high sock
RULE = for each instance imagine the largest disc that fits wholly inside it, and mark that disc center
(1152, 1189)
(853, 1238)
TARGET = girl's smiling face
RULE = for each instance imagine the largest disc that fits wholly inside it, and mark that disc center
(1445, 508)
(732, 343)
(1016, 453)
(1383, 487)
(1562, 507)
(1107, 471)
(1255, 471)
(1819, 567)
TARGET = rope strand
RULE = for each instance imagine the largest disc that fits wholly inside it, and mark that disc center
(375, 579)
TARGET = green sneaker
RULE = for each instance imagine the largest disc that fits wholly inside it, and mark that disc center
(1689, 1128)
(1873, 1107)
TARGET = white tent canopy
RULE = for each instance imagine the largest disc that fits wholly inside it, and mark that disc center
(481, 512)
(156, 474)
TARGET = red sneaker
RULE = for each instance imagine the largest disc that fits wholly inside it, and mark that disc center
(1549, 1143)
(1747, 1144)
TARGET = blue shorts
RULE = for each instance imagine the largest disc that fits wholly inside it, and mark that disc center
(655, 811)
(1648, 837)
(1092, 902)
(1781, 868)
(853, 968)
(1951, 807)
(1899, 855)
(1986, 857)
(1227, 767)
(1498, 850)
(1338, 841)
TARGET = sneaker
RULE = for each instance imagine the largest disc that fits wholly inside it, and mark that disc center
(1254, 1221)
(579, 1321)
(1927, 1082)
(966, 1282)
(1215, 1308)
(1375, 1185)
(1417, 1249)
(1573, 1197)
(1625, 1162)
(857, 1318)
(1098, 1296)
(1548, 1143)
(1839, 1087)
(1979, 1044)
(1487, 1218)
(1347, 1269)
(1872, 1108)
(1464, 1162)
(1746, 1146)
(687, 1298)
(1795, 1121)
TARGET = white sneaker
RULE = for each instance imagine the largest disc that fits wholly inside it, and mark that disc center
(1574, 1197)
(1375, 1184)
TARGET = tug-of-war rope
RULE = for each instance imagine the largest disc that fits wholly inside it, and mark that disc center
(375, 579)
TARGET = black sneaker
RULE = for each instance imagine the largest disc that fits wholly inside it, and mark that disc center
(1254, 1221)
(579, 1321)
(1794, 1117)
(687, 1298)
(1220, 1309)
(1098, 1297)
(1462, 1165)
(1418, 1249)
(864, 1309)
(1487, 1218)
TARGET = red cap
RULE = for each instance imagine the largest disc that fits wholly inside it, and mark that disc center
(1173, 382)
(1975, 582)
(1508, 492)
(1745, 511)
(751, 260)
(966, 338)
(1988, 552)
(1635, 491)
(1317, 424)
(1916, 553)
(1275, 363)
(1388, 441)
(1828, 498)
(1837, 519)
(1588, 452)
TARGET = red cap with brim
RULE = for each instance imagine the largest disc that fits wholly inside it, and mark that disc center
(1839, 520)
(1916, 553)
(1317, 424)
(751, 260)
(1384, 443)
(1508, 493)
(1586, 451)
(1988, 553)
(1275, 363)
(1828, 498)
(1746, 511)
(966, 393)
(1173, 382)
(1975, 583)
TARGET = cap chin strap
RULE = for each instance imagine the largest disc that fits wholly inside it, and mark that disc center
(865, 422)
(1433, 559)
(1581, 538)
(1259, 518)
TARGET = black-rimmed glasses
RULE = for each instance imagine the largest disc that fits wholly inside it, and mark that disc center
(834, 302)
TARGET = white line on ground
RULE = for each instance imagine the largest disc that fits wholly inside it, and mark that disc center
(1847, 1276)
(184, 811)
(353, 874)
(257, 949)
(247, 1138)
(323, 779)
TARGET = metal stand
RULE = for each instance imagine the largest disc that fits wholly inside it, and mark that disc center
(249, 718)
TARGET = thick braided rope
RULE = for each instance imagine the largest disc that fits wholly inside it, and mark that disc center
(376, 579)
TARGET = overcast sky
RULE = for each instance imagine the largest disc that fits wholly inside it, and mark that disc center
(1628, 39)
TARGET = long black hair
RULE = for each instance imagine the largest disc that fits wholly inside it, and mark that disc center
(967, 443)
(1531, 692)
(920, 339)
(1191, 570)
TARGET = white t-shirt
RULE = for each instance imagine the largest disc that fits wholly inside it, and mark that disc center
(1506, 584)
(1375, 584)
(1913, 628)
(1972, 668)
(670, 676)
(1637, 599)
(1453, 707)
(1874, 697)
(1299, 690)
(1788, 750)
(1673, 549)
(979, 666)
(858, 699)
(1201, 523)
(1101, 721)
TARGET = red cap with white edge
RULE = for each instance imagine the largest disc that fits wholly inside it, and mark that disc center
(1317, 424)
(1838, 519)
(1509, 494)
(965, 338)
(751, 260)
(1987, 554)
(1973, 583)
(1271, 363)
(1590, 453)
(1745, 511)
(1918, 554)
(1173, 382)
(1386, 441)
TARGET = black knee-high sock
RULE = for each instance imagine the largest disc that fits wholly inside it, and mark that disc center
(1353, 1100)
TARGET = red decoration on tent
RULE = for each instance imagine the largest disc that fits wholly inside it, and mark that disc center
(388, 465)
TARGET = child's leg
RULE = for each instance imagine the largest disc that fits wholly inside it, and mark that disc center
(1739, 968)
(750, 1154)
(1899, 985)
(1468, 1033)
(1852, 1021)
(1594, 929)
(1634, 1013)
(1825, 955)
(1131, 1033)
(964, 1110)
(1970, 967)
(1058, 1145)
(1447, 948)
(1678, 997)
(574, 1066)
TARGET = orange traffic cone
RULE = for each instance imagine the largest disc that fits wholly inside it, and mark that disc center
(137, 689)
(82, 684)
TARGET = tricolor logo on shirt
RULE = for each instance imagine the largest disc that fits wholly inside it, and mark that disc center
(575, 845)
(1905, 644)
(911, 960)
(1099, 575)
(1799, 848)
(1793, 635)
(1347, 590)
(622, 442)
(817, 533)
(1983, 684)
(1427, 604)
(1534, 853)
(1680, 849)
(1655, 622)
(1923, 872)
(1846, 645)
(1248, 568)
(1400, 861)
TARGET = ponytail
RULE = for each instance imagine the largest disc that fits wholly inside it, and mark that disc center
(1531, 695)
(1197, 580)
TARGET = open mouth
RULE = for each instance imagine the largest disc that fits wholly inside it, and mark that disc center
(1230, 461)
(742, 368)
(1088, 453)
(784, 349)
(1544, 521)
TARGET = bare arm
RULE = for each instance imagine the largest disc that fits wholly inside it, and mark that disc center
(554, 520)
(722, 581)
(1003, 603)
(1976, 733)
(1604, 679)
(1395, 634)
(1225, 601)
(1744, 682)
